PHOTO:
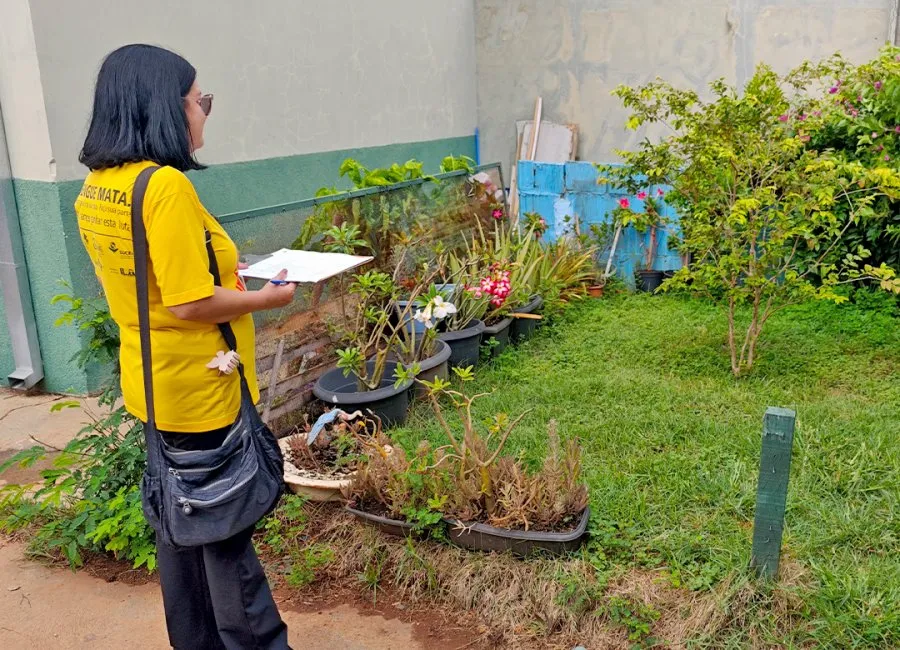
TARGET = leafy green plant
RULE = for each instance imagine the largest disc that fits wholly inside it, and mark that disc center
(458, 163)
(753, 200)
(852, 110)
(306, 564)
(90, 499)
(636, 617)
(381, 327)
(285, 525)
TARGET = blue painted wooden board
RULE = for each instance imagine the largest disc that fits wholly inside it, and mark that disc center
(559, 192)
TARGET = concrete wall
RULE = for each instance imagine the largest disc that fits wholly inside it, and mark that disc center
(575, 52)
(299, 86)
(289, 77)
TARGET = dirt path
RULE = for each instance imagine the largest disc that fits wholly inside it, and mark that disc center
(43, 607)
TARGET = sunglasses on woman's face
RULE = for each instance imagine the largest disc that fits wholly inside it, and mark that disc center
(205, 102)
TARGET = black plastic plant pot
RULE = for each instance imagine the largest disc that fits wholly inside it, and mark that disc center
(384, 524)
(482, 537)
(388, 403)
(523, 328)
(437, 366)
(650, 280)
(498, 332)
(465, 344)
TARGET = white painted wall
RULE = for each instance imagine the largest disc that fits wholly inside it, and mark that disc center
(575, 52)
(21, 95)
(290, 76)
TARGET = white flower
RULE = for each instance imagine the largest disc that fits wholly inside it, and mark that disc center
(442, 308)
(424, 317)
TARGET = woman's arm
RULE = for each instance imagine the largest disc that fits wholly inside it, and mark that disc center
(227, 304)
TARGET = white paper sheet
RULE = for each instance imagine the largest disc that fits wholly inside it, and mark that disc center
(303, 266)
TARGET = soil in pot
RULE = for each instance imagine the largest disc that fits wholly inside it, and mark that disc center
(483, 537)
(523, 328)
(650, 280)
(319, 471)
(388, 403)
(465, 344)
(496, 337)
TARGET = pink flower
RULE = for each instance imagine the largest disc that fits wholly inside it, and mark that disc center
(881, 147)
(802, 117)
(660, 193)
(817, 113)
(783, 118)
(878, 85)
(641, 196)
(875, 134)
(886, 157)
(833, 90)
(854, 113)
(897, 129)
(623, 203)
(497, 213)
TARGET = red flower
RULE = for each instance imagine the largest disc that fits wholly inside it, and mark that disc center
(641, 196)
(624, 203)
(497, 213)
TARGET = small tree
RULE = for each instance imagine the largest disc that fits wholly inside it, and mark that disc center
(761, 214)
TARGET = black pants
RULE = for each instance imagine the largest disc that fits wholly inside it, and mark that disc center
(216, 596)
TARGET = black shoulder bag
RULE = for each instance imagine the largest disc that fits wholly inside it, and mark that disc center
(199, 497)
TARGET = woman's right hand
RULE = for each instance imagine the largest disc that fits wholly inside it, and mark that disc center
(277, 295)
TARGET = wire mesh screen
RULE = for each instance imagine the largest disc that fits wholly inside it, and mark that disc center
(402, 227)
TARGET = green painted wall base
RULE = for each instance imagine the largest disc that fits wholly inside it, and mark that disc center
(55, 255)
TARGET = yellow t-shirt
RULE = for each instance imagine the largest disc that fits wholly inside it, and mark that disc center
(189, 397)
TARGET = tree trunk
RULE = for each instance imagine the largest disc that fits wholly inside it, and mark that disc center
(732, 344)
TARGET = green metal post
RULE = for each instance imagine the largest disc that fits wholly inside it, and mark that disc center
(771, 493)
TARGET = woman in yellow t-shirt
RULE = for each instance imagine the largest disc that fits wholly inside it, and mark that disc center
(149, 111)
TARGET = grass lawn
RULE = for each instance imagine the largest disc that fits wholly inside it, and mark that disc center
(672, 442)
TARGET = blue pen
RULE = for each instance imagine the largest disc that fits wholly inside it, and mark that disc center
(279, 283)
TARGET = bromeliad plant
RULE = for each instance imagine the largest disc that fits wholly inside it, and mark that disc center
(763, 217)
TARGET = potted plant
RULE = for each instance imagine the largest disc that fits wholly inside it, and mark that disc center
(320, 461)
(518, 252)
(397, 493)
(497, 286)
(650, 219)
(491, 502)
(378, 383)
(462, 329)
(419, 345)
(594, 242)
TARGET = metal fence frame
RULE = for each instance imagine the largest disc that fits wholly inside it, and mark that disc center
(354, 194)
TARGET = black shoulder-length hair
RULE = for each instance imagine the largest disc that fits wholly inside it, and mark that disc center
(139, 112)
